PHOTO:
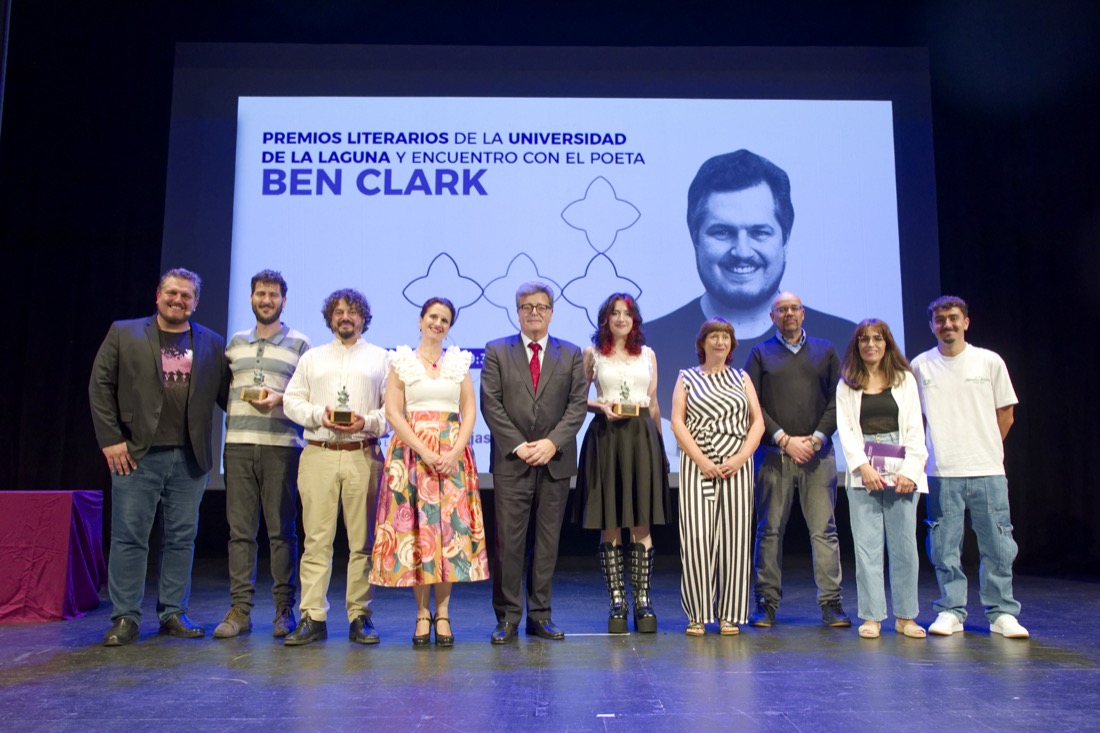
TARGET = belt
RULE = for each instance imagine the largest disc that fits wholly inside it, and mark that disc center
(357, 445)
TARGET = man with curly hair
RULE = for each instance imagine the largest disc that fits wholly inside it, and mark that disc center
(336, 394)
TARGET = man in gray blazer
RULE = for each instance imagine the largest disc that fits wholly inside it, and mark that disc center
(153, 388)
(533, 399)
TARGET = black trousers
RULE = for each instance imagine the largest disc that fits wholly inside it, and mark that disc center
(529, 513)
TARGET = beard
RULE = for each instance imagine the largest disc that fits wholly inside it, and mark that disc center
(267, 320)
(345, 329)
(172, 319)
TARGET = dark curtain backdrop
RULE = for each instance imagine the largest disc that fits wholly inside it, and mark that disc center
(1015, 88)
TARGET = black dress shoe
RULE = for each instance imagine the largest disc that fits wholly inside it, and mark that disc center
(505, 632)
(544, 629)
(180, 627)
(123, 631)
(308, 631)
(362, 631)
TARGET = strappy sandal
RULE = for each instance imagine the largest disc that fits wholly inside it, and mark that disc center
(728, 628)
(695, 629)
(441, 639)
(910, 628)
(426, 638)
(869, 629)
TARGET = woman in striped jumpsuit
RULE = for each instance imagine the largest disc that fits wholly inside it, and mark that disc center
(717, 422)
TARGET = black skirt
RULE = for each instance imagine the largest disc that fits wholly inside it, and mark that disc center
(622, 479)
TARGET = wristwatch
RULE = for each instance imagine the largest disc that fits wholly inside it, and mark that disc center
(816, 443)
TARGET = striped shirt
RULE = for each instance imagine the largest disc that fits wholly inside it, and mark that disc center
(275, 359)
(360, 369)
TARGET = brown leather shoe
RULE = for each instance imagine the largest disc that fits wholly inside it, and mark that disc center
(284, 622)
(236, 622)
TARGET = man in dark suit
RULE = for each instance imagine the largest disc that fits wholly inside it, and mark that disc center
(739, 215)
(153, 388)
(533, 399)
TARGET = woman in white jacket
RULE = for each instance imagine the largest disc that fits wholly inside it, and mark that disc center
(877, 402)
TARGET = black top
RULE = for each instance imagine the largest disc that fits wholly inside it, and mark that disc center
(176, 357)
(878, 413)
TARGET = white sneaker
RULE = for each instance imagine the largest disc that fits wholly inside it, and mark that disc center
(947, 624)
(1007, 626)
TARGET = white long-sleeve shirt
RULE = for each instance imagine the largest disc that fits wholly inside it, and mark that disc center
(322, 372)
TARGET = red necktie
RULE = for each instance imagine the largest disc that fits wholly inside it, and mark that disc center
(535, 366)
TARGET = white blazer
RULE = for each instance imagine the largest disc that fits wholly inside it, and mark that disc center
(910, 426)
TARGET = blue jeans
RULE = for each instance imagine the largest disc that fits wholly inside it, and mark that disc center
(777, 478)
(885, 522)
(986, 498)
(171, 479)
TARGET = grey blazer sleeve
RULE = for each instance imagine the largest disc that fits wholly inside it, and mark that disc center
(565, 432)
(103, 391)
(505, 434)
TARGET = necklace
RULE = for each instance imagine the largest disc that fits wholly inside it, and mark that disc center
(434, 362)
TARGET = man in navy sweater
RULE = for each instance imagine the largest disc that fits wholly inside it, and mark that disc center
(796, 377)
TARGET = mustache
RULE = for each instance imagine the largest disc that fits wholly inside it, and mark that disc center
(730, 260)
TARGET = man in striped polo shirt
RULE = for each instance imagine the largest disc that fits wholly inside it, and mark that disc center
(262, 448)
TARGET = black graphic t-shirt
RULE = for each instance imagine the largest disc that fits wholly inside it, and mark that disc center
(175, 362)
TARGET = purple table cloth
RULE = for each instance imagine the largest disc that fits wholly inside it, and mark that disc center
(51, 554)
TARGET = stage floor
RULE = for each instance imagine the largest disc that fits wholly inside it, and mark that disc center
(796, 676)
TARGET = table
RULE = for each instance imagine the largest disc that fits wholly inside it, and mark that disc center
(51, 554)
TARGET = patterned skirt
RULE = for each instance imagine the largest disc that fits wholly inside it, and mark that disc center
(430, 527)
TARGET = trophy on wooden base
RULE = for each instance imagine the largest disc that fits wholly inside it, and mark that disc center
(624, 406)
(257, 391)
(342, 414)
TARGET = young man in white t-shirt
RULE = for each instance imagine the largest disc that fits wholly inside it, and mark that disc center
(968, 402)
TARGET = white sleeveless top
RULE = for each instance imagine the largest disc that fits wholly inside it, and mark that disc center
(623, 379)
(435, 394)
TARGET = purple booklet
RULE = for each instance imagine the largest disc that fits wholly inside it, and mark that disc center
(884, 458)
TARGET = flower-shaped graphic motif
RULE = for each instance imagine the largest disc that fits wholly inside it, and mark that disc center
(501, 291)
(600, 279)
(443, 279)
(601, 214)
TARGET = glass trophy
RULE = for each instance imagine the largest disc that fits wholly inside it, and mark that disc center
(257, 391)
(342, 414)
(624, 406)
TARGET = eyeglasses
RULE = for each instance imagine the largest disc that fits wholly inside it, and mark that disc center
(875, 339)
(527, 308)
(784, 309)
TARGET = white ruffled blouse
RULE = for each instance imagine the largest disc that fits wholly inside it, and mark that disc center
(424, 392)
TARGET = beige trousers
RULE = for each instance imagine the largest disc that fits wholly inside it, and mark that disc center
(328, 481)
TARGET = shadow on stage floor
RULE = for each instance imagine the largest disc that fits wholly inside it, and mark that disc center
(797, 676)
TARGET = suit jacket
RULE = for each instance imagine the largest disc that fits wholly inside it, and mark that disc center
(672, 338)
(126, 390)
(517, 414)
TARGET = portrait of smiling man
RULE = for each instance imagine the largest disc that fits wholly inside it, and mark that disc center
(739, 216)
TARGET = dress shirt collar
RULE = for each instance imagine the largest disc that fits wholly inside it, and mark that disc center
(795, 347)
(541, 342)
(276, 339)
